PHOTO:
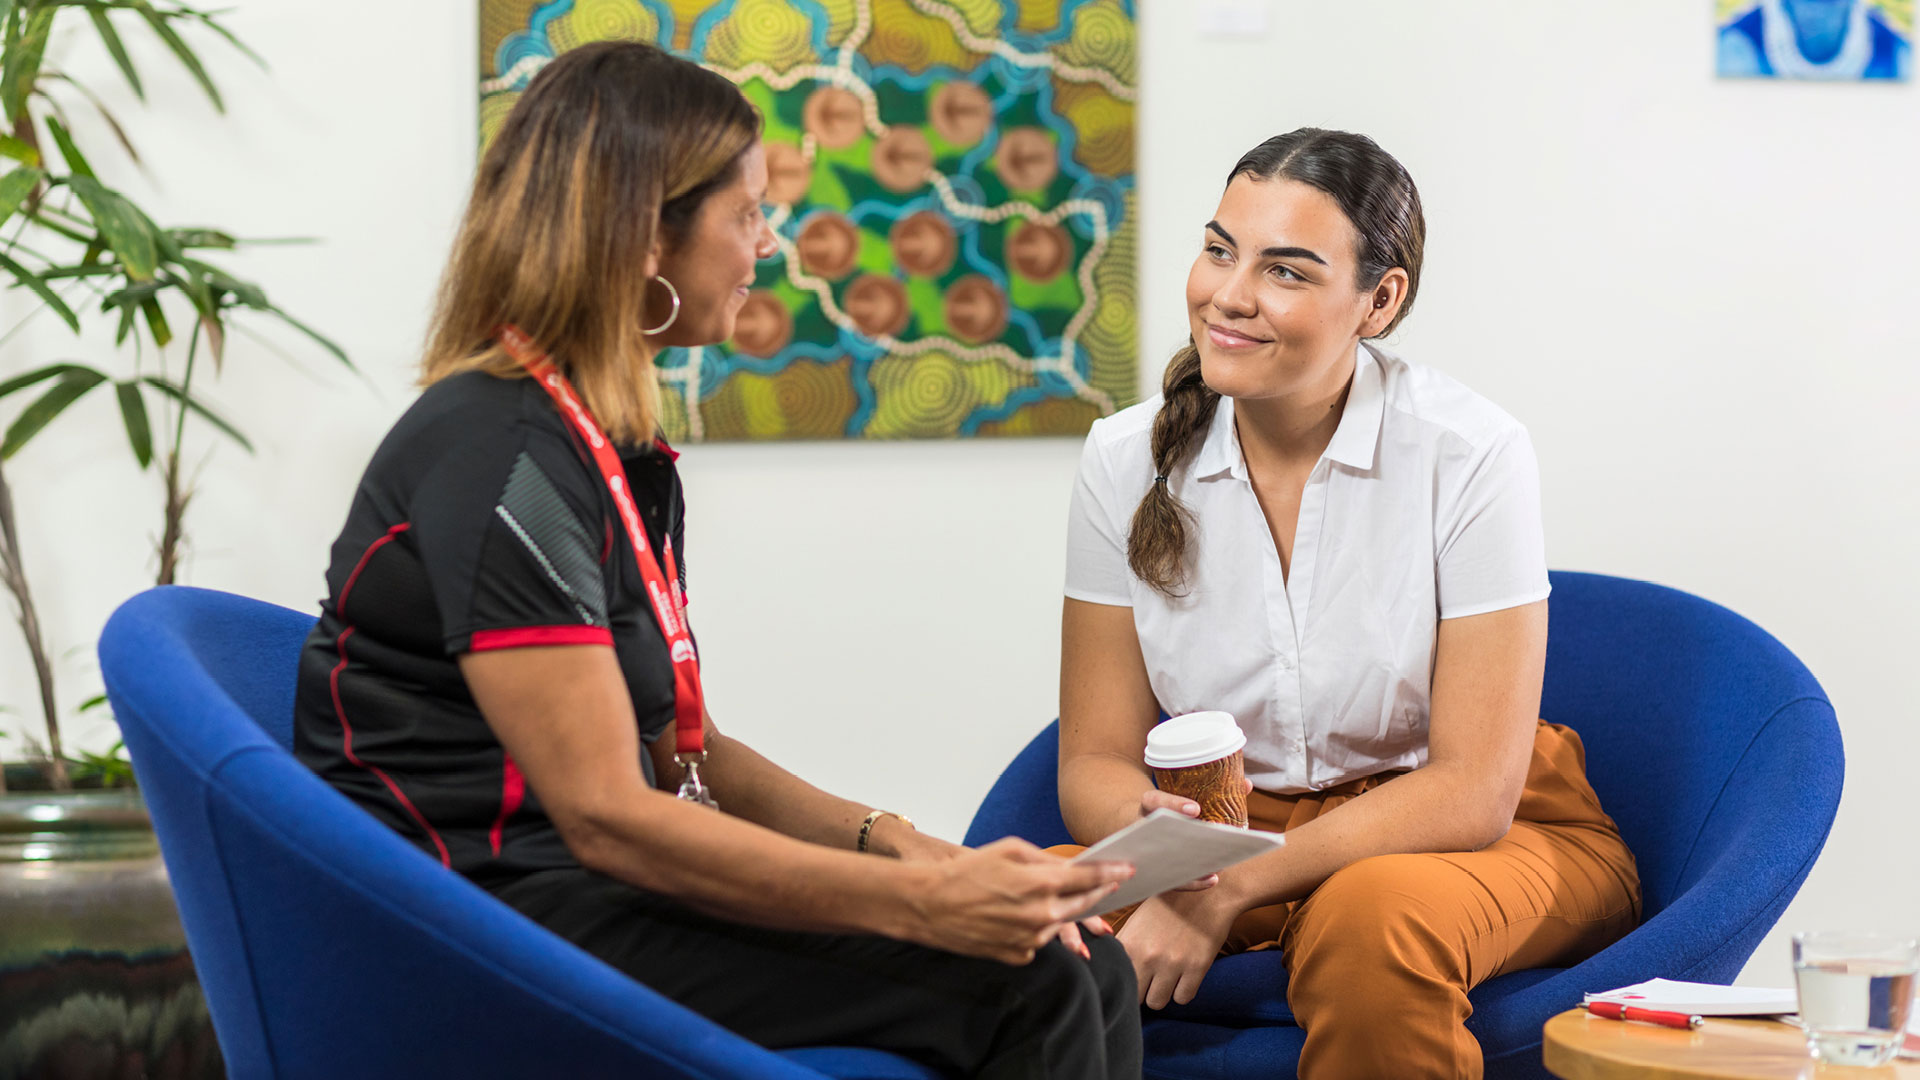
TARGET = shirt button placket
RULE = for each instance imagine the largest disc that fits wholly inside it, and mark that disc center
(1299, 599)
(1287, 646)
(1290, 665)
(1284, 706)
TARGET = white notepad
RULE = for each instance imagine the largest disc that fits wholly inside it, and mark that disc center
(1703, 999)
(1168, 850)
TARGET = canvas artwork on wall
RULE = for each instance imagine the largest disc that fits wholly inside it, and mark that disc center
(1815, 39)
(952, 184)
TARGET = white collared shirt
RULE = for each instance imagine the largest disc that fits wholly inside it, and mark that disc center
(1425, 506)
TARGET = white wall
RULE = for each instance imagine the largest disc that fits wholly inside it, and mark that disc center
(1698, 294)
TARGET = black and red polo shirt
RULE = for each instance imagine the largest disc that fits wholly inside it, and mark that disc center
(481, 523)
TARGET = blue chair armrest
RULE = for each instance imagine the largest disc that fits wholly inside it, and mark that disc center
(1024, 801)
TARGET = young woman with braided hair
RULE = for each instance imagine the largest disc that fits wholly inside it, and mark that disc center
(1344, 550)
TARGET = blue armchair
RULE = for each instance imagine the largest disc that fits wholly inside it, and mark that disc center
(1713, 748)
(325, 944)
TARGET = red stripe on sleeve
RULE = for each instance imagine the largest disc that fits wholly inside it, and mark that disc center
(522, 636)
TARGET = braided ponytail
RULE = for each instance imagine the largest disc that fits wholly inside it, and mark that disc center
(1157, 539)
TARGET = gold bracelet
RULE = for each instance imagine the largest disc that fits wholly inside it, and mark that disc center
(866, 827)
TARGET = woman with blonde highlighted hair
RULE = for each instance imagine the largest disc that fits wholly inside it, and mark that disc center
(1342, 549)
(504, 674)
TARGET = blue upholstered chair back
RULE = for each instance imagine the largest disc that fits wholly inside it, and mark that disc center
(329, 947)
(1702, 732)
(1712, 746)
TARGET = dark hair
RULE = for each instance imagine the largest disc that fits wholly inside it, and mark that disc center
(1375, 193)
(612, 144)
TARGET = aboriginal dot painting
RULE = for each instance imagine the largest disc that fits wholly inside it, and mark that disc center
(952, 186)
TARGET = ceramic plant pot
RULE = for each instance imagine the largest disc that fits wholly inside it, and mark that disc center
(95, 980)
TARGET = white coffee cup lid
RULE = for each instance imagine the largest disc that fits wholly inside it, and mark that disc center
(1193, 739)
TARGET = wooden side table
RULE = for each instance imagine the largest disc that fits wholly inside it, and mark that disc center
(1580, 1046)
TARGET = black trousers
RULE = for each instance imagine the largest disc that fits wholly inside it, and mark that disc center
(1058, 1017)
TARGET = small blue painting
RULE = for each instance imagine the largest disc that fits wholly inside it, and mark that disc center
(1835, 40)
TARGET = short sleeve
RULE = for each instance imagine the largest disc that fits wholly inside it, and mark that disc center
(512, 541)
(1491, 545)
(1097, 570)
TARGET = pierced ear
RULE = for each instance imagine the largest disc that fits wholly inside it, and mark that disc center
(1390, 292)
(1373, 323)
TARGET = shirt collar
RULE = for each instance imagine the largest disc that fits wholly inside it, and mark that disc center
(1359, 431)
(1353, 442)
(1220, 452)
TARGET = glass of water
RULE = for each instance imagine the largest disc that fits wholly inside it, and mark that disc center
(1856, 991)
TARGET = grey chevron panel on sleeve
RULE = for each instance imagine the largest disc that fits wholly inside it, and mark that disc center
(552, 532)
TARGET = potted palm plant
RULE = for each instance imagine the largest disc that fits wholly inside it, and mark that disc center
(83, 893)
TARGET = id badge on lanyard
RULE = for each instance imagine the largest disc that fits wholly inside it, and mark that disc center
(662, 583)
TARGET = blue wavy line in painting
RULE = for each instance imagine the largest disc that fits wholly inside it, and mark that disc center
(724, 365)
(1054, 383)
(862, 375)
(536, 41)
(719, 366)
(663, 15)
(1038, 343)
(860, 346)
(970, 250)
(516, 47)
(1069, 138)
(807, 350)
(1082, 361)
(731, 362)
(1018, 399)
(703, 26)
(869, 207)
(983, 150)
(1009, 97)
(709, 20)
(1015, 76)
(924, 80)
(671, 359)
(1034, 40)
(545, 14)
(1109, 193)
(816, 14)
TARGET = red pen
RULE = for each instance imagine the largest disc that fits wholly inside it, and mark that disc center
(1613, 1010)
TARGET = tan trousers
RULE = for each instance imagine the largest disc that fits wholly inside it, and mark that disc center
(1380, 957)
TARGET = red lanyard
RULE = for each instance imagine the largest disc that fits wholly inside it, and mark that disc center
(663, 587)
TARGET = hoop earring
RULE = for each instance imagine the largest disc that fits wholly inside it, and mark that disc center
(671, 316)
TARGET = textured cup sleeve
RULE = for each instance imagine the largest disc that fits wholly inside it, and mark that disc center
(1097, 570)
(513, 542)
(1490, 541)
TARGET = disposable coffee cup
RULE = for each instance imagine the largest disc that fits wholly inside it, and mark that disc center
(1201, 756)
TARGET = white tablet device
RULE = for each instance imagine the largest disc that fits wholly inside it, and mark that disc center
(1169, 849)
